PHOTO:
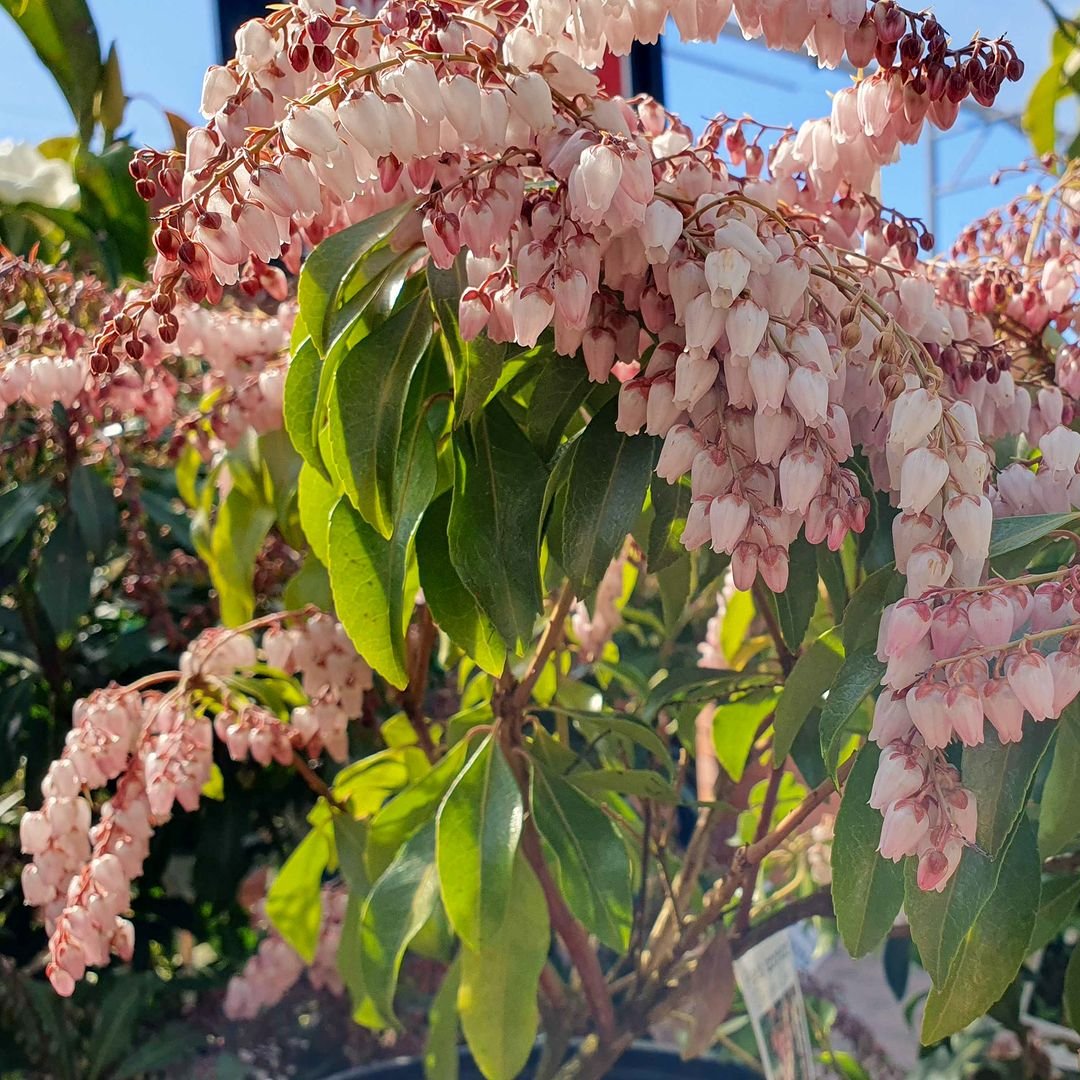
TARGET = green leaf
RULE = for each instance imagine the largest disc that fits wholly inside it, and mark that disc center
(476, 364)
(735, 724)
(239, 532)
(368, 573)
(350, 842)
(1008, 534)
(168, 1047)
(795, 605)
(811, 676)
(1070, 996)
(675, 581)
(94, 506)
(63, 34)
(301, 394)
(316, 500)
(499, 982)
(479, 826)
(309, 585)
(1057, 903)
(64, 574)
(644, 783)
(592, 864)
(294, 901)
(495, 519)
(441, 1058)
(1001, 777)
(114, 1028)
(560, 390)
(671, 504)
(600, 498)
(859, 675)
(19, 509)
(452, 605)
(1039, 113)
(596, 725)
(863, 613)
(1059, 808)
(113, 208)
(399, 904)
(409, 809)
(994, 943)
(867, 889)
(331, 265)
(367, 411)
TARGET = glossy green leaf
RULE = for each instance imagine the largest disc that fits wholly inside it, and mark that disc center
(940, 920)
(494, 521)
(329, 267)
(1039, 114)
(109, 203)
(441, 1057)
(499, 982)
(859, 676)
(1059, 808)
(558, 395)
(600, 498)
(1001, 777)
(64, 574)
(63, 35)
(294, 901)
(867, 890)
(316, 500)
(1008, 534)
(409, 809)
(479, 826)
(20, 506)
(735, 724)
(368, 573)
(350, 841)
(309, 585)
(795, 605)
(95, 509)
(597, 725)
(592, 864)
(114, 1028)
(993, 945)
(476, 364)
(239, 532)
(863, 613)
(1070, 995)
(301, 394)
(453, 607)
(811, 676)
(367, 412)
(1057, 904)
(671, 504)
(399, 904)
(643, 783)
(364, 1011)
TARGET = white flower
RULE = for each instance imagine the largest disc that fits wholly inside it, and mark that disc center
(26, 175)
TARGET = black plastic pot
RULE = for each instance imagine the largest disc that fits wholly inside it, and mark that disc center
(642, 1061)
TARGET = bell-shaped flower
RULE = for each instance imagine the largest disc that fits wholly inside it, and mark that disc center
(922, 476)
(1032, 681)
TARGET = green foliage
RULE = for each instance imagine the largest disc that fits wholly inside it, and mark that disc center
(294, 901)
(858, 676)
(495, 520)
(1060, 803)
(867, 889)
(479, 825)
(497, 993)
(992, 946)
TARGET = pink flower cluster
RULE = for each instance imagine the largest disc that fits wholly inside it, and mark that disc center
(955, 659)
(276, 967)
(334, 677)
(158, 748)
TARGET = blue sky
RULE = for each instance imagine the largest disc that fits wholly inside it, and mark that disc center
(163, 55)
